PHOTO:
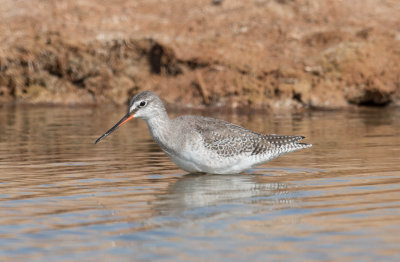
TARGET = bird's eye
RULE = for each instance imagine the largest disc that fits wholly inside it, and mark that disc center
(142, 104)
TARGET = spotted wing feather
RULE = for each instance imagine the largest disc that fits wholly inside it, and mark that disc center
(228, 140)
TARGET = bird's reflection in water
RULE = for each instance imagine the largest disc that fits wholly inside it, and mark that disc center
(210, 194)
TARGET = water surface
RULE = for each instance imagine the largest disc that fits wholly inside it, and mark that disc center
(62, 198)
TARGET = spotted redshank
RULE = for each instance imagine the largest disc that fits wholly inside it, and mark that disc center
(203, 144)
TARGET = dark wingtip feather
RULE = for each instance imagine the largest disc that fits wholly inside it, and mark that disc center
(304, 145)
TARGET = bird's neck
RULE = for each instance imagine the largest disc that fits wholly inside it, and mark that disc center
(160, 127)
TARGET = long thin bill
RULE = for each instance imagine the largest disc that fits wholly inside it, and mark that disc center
(125, 119)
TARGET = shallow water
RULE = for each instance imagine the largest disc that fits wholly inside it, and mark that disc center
(62, 198)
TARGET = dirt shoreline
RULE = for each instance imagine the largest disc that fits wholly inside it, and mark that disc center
(223, 55)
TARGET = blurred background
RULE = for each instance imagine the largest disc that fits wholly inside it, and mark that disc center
(255, 54)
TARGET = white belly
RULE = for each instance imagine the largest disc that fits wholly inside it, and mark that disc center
(211, 163)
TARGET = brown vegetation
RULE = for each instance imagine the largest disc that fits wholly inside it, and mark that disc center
(258, 54)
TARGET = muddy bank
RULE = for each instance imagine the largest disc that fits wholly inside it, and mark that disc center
(202, 54)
